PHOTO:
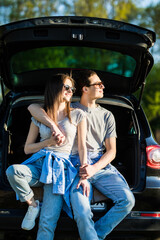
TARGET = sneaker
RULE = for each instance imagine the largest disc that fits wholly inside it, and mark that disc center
(29, 220)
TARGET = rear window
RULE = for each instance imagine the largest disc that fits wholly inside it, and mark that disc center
(73, 57)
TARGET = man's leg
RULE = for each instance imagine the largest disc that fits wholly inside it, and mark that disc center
(113, 185)
(50, 213)
(82, 213)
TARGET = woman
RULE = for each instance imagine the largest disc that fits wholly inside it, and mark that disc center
(50, 164)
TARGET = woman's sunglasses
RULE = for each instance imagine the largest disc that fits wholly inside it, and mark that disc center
(68, 88)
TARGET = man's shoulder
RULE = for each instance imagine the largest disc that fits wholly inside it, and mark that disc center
(76, 109)
(107, 114)
(104, 110)
(75, 105)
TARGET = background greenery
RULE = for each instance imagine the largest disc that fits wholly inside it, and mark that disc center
(132, 11)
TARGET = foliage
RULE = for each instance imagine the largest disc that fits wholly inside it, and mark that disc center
(151, 99)
(12, 10)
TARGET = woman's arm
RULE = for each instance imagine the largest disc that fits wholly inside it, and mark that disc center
(31, 146)
(40, 115)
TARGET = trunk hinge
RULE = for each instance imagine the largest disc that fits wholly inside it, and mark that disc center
(143, 85)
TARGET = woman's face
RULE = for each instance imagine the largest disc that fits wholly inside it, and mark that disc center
(67, 90)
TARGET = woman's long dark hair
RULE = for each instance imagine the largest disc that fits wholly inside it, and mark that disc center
(52, 96)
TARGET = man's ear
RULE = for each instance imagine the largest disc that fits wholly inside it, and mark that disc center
(84, 89)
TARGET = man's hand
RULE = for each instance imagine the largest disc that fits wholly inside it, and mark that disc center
(86, 171)
(85, 185)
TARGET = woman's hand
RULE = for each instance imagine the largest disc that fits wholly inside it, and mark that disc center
(54, 140)
(85, 185)
(59, 134)
(86, 171)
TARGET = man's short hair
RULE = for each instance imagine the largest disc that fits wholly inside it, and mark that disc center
(82, 79)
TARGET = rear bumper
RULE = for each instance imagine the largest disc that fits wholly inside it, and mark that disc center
(140, 221)
(134, 222)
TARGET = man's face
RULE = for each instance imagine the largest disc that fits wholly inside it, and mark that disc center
(95, 90)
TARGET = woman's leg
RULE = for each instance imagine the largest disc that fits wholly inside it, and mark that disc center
(22, 177)
(50, 213)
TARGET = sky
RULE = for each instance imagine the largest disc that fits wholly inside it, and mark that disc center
(145, 3)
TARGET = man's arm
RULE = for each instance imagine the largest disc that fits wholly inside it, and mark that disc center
(40, 115)
(82, 150)
(88, 171)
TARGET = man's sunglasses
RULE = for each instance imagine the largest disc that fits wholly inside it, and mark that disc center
(100, 84)
(68, 88)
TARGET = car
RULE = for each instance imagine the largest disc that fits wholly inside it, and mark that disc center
(31, 51)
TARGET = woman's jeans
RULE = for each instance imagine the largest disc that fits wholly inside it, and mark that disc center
(23, 177)
(113, 185)
(50, 213)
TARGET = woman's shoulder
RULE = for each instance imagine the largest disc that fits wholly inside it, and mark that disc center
(77, 115)
(77, 111)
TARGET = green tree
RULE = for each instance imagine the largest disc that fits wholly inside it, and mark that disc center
(123, 10)
(151, 99)
(12, 10)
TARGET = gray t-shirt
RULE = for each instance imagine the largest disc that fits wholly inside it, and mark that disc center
(70, 130)
(100, 125)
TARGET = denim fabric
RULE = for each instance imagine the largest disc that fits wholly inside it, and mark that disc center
(50, 212)
(53, 171)
(47, 171)
(113, 185)
(23, 177)
(82, 212)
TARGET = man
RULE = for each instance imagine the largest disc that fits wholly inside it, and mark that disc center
(101, 135)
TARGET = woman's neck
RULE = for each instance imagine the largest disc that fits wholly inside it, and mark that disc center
(61, 111)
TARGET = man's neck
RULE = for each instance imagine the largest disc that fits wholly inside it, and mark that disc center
(88, 103)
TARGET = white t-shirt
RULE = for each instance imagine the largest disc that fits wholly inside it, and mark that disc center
(70, 130)
(100, 125)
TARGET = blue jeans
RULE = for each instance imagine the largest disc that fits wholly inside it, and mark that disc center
(23, 177)
(113, 185)
(50, 213)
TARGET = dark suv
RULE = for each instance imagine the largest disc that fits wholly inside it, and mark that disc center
(30, 52)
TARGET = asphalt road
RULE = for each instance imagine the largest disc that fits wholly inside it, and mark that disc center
(23, 235)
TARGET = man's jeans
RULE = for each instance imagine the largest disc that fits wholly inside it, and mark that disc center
(22, 177)
(113, 185)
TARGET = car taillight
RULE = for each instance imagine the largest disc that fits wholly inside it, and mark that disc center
(153, 156)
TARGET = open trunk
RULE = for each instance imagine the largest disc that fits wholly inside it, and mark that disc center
(127, 159)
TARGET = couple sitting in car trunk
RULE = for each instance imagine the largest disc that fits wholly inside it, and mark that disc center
(70, 159)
